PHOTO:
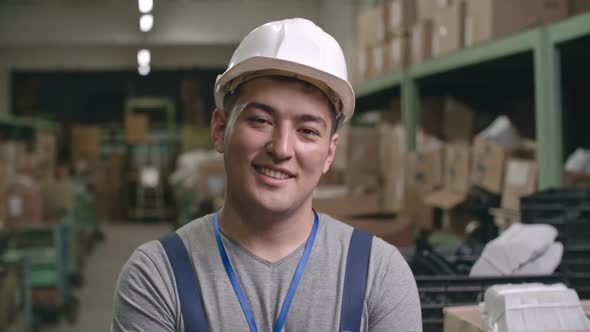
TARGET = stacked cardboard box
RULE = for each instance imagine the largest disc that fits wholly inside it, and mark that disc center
(457, 158)
(109, 188)
(24, 202)
(137, 127)
(85, 146)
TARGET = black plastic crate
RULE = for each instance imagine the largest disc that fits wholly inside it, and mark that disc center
(567, 209)
(567, 197)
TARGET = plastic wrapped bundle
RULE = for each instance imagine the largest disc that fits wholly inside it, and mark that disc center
(533, 307)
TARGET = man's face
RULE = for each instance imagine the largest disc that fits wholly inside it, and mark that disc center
(277, 145)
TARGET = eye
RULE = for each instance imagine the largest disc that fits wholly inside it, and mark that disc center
(258, 120)
(308, 132)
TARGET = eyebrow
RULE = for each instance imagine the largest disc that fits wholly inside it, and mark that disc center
(270, 110)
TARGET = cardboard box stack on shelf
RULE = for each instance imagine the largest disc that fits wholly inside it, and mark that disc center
(85, 147)
(108, 179)
(34, 189)
(520, 180)
(409, 32)
(137, 127)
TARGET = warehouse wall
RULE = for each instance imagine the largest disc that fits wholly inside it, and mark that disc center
(59, 34)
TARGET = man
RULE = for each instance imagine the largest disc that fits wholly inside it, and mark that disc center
(267, 261)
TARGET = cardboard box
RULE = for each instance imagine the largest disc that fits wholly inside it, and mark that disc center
(576, 180)
(109, 186)
(457, 167)
(431, 115)
(392, 194)
(391, 150)
(521, 180)
(363, 150)
(46, 150)
(347, 206)
(363, 183)
(463, 318)
(454, 192)
(393, 113)
(504, 218)
(399, 232)
(449, 29)
(340, 162)
(490, 19)
(414, 207)
(24, 202)
(578, 6)
(546, 11)
(489, 162)
(371, 27)
(397, 53)
(421, 39)
(15, 157)
(137, 127)
(333, 177)
(377, 61)
(3, 192)
(360, 67)
(57, 198)
(458, 121)
(425, 9)
(85, 146)
(424, 169)
(211, 180)
(400, 15)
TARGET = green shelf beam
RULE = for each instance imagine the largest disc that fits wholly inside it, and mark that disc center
(570, 29)
(548, 111)
(503, 47)
(410, 110)
(388, 81)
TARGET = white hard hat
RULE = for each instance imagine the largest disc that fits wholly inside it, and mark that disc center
(293, 47)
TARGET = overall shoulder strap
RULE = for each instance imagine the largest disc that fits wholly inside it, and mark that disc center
(187, 284)
(355, 281)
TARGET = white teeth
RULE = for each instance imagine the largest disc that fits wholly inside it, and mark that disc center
(272, 173)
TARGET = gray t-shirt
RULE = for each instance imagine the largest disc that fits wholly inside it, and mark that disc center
(146, 298)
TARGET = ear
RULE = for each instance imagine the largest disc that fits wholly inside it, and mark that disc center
(331, 153)
(218, 125)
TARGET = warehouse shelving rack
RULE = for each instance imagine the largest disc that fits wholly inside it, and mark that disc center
(47, 249)
(545, 44)
(161, 148)
(17, 126)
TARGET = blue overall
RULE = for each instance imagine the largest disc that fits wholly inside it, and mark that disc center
(193, 312)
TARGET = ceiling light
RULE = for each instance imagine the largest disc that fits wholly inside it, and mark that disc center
(144, 57)
(145, 6)
(143, 70)
(146, 22)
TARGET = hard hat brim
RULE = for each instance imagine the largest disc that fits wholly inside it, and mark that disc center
(341, 87)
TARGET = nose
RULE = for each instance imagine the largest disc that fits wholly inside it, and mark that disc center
(281, 144)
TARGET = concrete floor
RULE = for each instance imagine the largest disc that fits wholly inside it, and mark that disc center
(101, 272)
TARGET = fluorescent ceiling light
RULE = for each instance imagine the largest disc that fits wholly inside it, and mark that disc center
(144, 57)
(143, 70)
(145, 6)
(146, 22)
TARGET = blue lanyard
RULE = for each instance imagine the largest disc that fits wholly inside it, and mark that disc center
(292, 288)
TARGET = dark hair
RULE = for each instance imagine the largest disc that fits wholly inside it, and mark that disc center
(229, 101)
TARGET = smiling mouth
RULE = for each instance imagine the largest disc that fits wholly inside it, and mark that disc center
(272, 173)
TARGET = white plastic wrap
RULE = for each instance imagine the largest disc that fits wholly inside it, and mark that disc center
(579, 161)
(519, 245)
(533, 308)
(501, 132)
